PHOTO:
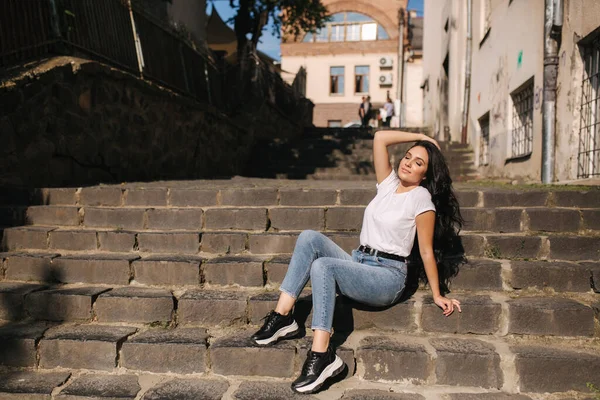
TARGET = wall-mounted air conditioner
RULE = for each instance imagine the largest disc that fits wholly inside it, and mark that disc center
(386, 62)
(386, 79)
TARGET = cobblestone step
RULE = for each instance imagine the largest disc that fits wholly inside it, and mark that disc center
(281, 218)
(261, 192)
(519, 245)
(114, 356)
(96, 385)
(483, 313)
(260, 270)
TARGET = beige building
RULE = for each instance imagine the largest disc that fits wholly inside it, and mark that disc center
(505, 115)
(355, 55)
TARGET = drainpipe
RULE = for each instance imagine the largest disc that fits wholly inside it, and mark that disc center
(552, 31)
(400, 64)
(467, 94)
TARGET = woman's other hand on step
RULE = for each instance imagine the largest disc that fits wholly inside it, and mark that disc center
(447, 305)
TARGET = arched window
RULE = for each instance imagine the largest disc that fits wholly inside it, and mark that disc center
(348, 27)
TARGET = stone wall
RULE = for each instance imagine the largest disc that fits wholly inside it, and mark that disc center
(75, 122)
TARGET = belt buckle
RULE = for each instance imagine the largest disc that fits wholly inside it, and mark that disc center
(373, 252)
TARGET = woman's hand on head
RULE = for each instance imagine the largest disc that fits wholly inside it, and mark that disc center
(432, 140)
(447, 305)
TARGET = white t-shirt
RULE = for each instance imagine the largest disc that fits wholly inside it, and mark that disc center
(389, 221)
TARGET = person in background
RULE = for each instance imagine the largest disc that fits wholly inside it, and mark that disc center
(389, 110)
(365, 111)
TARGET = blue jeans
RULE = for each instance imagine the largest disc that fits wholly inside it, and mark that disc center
(371, 280)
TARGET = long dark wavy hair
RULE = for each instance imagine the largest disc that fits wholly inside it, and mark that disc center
(447, 245)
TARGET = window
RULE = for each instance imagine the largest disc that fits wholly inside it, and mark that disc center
(337, 33)
(334, 123)
(361, 79)
(484, 140)
(348, 27)
(368, 32)
(322, 35)
(485, 20)
(588, 159)
(522, 121)
(353, 33)
(381, 33)
(336, 80)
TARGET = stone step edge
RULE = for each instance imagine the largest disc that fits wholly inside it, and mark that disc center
(419, 319)
(500, 348)
(423, 292)
(505, 274)
(587, 233)
(340, 391)
(165, 193)
(352, 341)
(473, 206)
(477, 245)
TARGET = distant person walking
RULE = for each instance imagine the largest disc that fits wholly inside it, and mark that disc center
(365, 111)
(389, 111)
(360, 109)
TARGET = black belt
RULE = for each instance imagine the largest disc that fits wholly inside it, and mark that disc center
(378, 253)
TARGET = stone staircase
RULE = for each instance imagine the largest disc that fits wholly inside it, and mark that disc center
(152, 290)
(341, 154)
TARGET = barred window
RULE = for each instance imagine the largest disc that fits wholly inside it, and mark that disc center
(484, 140)
(336, 80)
(522, 121)
(588, 159)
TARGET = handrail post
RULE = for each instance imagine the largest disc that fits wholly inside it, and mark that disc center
(184, 71)
(58, 46)
(136, 40)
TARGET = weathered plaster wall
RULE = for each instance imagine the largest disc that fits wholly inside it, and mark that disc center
(510, 56)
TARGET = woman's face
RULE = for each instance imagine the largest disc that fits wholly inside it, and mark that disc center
(413, 166)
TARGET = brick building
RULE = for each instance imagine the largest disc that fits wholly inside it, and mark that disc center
(354, 55)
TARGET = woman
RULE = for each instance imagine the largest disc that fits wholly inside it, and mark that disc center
(375, 274)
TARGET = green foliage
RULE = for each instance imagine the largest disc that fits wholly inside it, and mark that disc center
(492, 252)
(594, 389)
(294, 16)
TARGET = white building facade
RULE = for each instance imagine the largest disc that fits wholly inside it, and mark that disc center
(504, 125)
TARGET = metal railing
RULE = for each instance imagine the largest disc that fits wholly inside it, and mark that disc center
(25, 31)
(99, 28)
(122, 34)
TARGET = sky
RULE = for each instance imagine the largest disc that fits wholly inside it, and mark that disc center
(269, 43)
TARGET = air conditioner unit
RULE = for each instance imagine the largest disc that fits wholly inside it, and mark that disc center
(386, 61)
(386, 79)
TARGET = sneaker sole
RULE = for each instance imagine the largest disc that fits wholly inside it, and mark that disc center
(283, 333)
(331, 371)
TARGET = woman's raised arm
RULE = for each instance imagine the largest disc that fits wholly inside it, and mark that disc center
(385, 138)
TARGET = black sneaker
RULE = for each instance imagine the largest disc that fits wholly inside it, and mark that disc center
(317, 368)
(276, 327)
